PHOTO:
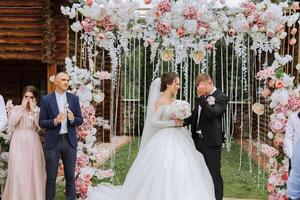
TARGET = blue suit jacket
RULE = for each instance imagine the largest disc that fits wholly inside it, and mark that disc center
(49, 111)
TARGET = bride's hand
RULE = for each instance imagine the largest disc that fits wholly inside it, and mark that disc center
(179, 122)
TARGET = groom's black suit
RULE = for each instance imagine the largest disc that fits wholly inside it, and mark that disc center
(211, 137)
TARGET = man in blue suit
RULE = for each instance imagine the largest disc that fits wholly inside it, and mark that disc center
(60, 114)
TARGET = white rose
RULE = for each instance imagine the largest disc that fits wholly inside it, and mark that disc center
(89, 87)
(270, 135)
(298, 67)
(98, 98)
(282, 35)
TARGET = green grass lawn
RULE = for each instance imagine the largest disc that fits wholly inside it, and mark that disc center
(237, 184)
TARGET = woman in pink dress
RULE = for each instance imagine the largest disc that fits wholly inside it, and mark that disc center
(26, 165)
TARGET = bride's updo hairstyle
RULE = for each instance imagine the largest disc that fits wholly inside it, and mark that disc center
(167, 79)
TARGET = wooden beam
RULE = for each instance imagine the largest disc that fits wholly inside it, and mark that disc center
(51, 70)
(20, 56)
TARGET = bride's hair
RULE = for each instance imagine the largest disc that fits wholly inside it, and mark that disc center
(167, 79)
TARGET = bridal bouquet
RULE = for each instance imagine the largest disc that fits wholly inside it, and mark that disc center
(181, 109)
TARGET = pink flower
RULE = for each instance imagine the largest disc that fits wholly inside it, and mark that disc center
(149, 41)
(201, 24)
(268, 150)
(82, 160)
(293, 41)
(266, 73)
(232, 32)
(270, 33)
(147, 1)
(209, 46)
(88, 24)
(271, 83)
(180, 32)
(164, 6)
(280, 28)
(270, 188)
(103, 75)
(89, 2)
(163, 28)
(295, 6)
(294, 31)
(108, 24)
(249, 8)
(279, 84)
(265, 93)
(82, 134)
(190, 13)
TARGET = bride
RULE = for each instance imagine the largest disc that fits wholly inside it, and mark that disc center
(168, 166)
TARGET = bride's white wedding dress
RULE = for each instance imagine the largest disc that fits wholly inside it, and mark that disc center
(167, 167)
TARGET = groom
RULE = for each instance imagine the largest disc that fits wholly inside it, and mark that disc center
(60, 114)
(206, 121)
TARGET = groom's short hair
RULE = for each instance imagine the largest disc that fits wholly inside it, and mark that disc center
(203, 78)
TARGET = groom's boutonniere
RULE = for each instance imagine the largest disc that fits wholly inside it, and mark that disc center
(211, 100)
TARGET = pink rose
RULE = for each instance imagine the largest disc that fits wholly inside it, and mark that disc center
(271, 83)
(108, 24)
(295, 6)
(180, 32)
(293, 41)
(280, 28)
(147, 1)
(164, 6)
(88, 24)
(265, 93)
(249, 8)
(270, 188)
(163, 28)
(232, 32)
(209, 46)
(89, 2)
(294, 31)
(279, 84)
(190, 13)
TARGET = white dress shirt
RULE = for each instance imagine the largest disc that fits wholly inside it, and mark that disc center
(3, 116)
(292, 133)
(62, 107)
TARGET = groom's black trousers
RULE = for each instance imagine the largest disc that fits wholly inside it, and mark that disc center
(212, 156)
(65, 151)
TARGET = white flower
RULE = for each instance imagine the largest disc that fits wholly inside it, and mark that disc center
(181, 109)
(76, 27)
(89, 87)
(211, 100)
(4, 156)
(288, 80)
(283, 35)
(298, 67)
(98, 98)
(270, 135)
(190, 26)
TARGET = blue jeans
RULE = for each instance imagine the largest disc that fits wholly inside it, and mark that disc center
(64, 150)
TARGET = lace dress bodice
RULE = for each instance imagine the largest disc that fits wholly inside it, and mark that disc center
(162, 118)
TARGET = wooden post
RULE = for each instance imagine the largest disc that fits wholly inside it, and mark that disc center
(51, 70)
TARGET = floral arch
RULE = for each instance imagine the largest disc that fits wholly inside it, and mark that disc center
(248, 51)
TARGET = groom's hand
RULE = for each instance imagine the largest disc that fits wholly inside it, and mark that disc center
(201, 90)
(59, 118)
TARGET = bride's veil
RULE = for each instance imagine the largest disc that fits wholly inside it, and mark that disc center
(154, 94)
